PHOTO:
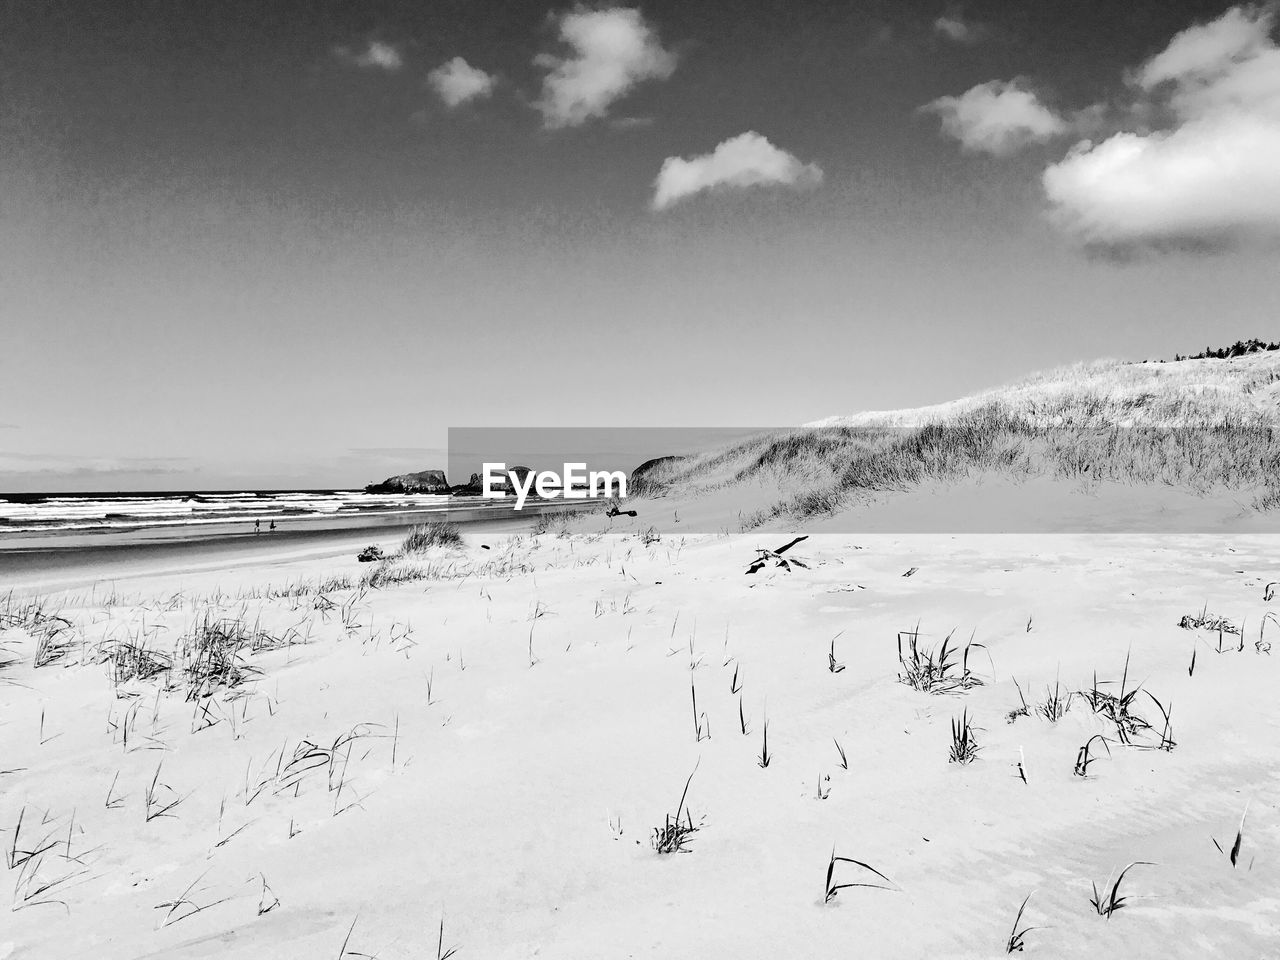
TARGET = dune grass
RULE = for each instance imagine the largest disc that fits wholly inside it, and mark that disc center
(391, 573)
(557, 523)
(1084, 757)
(1017, 936)
(1108, 900)
(675, 833)
(831, 888)
(433, 533)
(1196, 425)
(964, 745)
(935, 671)
(1233, 855)
(42, 619)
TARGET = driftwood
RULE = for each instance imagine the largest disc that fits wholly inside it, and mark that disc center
(766, 556)
(615, 512)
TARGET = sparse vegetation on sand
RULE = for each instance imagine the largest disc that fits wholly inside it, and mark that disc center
(935, 671)
(38, 616)
(1055, 704)
(1108, 900)
(964, 745)
(1233, 854)
(831, 888)
(1085, 755)
(675, 833)
(434, 533)
(392, 573)
(213, 653)
(556, 523)
(1017, 936)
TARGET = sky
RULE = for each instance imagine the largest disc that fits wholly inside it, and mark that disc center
(256, 243)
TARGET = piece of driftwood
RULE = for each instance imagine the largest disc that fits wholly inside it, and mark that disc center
(775, 556)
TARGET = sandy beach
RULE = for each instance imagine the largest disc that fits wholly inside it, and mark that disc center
(492, 747)
(681, 480)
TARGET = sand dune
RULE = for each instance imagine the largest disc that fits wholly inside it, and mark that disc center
(1181, 446)
(609, 740)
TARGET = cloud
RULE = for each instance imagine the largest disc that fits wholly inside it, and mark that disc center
(999, 117)
(375, 56)
(457, 82)
(1206, 50)
(613, 50)
(955, 28)
(747, 160)
(1209, 174)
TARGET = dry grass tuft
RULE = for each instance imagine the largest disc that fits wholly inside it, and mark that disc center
(831, 888)
(935, 671)
(1108, 901)
(964, 745)
(1017, 937)
(391, 573)
(675, 833)
(434, 533)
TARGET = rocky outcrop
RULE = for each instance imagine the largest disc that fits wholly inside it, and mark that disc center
(424, 481)
(474, 487)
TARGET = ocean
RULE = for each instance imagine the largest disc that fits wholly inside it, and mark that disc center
(191, 513)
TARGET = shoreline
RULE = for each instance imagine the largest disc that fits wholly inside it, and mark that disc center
(68, 565)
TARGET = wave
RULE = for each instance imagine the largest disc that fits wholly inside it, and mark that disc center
(32, 513)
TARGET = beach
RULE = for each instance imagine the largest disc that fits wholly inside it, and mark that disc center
(491, 742)
(60, 557)
(615, 481)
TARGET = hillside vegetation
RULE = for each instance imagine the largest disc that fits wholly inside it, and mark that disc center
(1197, 425)
(1238, 349)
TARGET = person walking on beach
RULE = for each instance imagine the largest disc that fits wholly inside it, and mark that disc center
(257, 526)
(272, 527)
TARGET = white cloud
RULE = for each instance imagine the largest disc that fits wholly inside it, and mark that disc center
(1205, 50)
(958, 30)
(1211, 173)
(377, 56)
(747, 160)
(998, 117)
(458, 82)
(613, 50)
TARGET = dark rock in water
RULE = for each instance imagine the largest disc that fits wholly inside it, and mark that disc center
(644, 478)
(475, 486)
(424, 481)
(469, 489)
(371, 554)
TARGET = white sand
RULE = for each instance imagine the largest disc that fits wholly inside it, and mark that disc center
(521, 799)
